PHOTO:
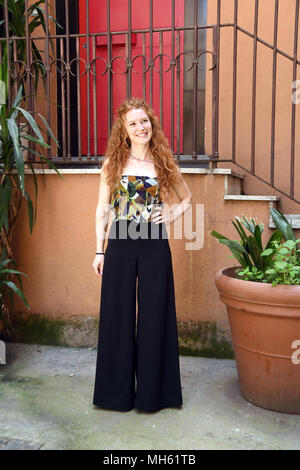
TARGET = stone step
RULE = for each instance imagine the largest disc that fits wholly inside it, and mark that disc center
(294, 220)
(243, 197)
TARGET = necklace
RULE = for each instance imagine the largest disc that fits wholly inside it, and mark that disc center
(140, 159)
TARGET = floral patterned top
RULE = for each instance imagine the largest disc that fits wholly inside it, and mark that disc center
(135, 197)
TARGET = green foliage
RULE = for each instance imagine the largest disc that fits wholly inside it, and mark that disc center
(7, 284)
(20, 132)
(283, 268)
(17, 127)
(17, 28)
(277, 263)
(14, 134)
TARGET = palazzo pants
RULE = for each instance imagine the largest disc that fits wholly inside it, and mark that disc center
(137, 362)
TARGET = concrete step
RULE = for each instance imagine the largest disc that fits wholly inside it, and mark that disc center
(294, 220)
(232, 192)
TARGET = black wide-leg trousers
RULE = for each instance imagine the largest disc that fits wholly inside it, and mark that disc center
(137, 361)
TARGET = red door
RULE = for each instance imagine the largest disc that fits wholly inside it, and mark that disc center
(99, 86)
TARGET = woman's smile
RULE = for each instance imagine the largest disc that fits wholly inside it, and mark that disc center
(138, 126)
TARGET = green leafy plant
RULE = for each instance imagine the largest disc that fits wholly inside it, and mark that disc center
(284, 266)
(276, 263)
(13, 137)
(7, 285)
(17, 28)
(17, 127)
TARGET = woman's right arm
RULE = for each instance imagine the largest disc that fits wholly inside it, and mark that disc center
(101, 220)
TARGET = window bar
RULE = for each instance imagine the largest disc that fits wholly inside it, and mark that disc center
(265, 43)
(128, 54)
(109, 71)
(47, 63)
(234, 79)
(161, 78)
(95, 98)
(195, 80)
(151, 54)
(178, 97)
(29, 80)
(78, 79)
(16, 81)
(7, 44)
(293, 124)
(214, 128)
(254, 89)
(173, 74)
(218, 76)
(17, 76)
(63, 103)
(144, 65)
(68, 79)
(88, 68)
(274, 75)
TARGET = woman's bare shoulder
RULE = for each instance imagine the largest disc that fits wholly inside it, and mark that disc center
(105, 162)
(104, 167)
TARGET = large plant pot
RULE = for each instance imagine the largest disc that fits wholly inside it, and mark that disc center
(265, 325)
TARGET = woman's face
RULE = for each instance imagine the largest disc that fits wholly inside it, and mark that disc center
(138, 126)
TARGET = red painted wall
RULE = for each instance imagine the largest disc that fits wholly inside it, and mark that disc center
(162, 17)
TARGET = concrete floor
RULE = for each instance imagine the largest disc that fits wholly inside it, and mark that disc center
(46, 403)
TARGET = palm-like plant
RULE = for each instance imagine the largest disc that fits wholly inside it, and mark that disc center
(6, 284)
(17, 127)
(249, 250)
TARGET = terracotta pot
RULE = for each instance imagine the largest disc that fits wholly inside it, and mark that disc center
(265, 325)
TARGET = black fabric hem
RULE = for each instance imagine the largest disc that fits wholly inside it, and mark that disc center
(153, 410)
(112, 408)
(149, 410)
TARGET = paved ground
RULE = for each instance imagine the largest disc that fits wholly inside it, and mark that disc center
(46, 403)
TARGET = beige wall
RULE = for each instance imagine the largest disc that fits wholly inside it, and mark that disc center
(58, 255)
(263, 95)
(246, 10)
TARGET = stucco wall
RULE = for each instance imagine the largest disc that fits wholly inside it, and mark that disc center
(63, 289)
(64, 292)
(263, 102)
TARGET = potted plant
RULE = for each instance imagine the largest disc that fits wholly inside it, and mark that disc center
(262, 296)
(17, 127)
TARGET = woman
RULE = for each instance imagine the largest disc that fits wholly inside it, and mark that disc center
(138, 174)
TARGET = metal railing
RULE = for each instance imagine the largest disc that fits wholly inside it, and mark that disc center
(82, 74)
(79, 87)
(294, 179)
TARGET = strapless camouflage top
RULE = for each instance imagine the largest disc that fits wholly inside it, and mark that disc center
(135, 198)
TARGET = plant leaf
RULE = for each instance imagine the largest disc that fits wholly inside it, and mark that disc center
(17, 291)
(282, 224)
(275, 237)
(257, 235)
(14, 133)
(30, 210)
(218, 235)
(32, 122)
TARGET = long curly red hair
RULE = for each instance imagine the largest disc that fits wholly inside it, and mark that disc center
(118, 148)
